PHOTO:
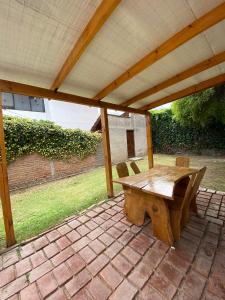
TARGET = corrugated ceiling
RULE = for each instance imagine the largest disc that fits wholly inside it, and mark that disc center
(36, 36)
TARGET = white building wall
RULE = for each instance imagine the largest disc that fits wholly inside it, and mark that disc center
(140, 135)
(65, 114)
(118, 127)
(70, 115)
(118, 137)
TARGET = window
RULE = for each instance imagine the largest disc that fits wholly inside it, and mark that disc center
(20, 102)
(8, 101)
(37, 104)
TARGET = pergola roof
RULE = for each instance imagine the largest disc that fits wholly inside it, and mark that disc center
(139, 54)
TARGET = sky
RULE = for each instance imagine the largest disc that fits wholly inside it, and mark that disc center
(116, 112)
(163, 106)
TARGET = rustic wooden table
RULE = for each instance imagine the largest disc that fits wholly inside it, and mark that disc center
(150, 192)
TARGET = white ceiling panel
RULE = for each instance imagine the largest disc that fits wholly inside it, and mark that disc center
(36, 36)
(134, 29)
(205, 75)
(184, 57)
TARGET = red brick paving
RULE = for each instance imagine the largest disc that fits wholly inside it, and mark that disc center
(99, 255)
(211, 204)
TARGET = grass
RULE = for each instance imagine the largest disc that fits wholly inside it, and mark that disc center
(38, 208)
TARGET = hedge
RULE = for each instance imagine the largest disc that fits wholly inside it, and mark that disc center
(25, 136)
(170, 137)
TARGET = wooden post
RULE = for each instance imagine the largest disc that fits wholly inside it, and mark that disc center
(106, 151)
(4, 187)
(149, 139)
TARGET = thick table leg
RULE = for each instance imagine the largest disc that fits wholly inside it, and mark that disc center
(138, 202)
(134, 206)
(158, 210)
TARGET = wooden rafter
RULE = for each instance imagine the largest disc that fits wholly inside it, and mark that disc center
(29, 90)
(102, 13)
(206, 21)
(188, 91)
(204, 65)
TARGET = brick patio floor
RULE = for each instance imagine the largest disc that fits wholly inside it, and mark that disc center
(211, 204)
(99, 255)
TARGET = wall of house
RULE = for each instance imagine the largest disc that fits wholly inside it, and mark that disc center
(69, 115)
(140, 135)
(118, 136)
(28, 114)
(34, 169)
(65, 114)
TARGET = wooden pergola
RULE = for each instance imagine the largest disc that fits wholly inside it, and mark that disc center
(125, 55)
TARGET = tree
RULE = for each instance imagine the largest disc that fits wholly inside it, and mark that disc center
(201, 109)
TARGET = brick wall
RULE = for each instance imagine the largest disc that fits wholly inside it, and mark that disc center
(28, 170)
(34, 169)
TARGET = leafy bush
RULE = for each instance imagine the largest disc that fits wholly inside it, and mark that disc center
(25, 136)
(169, 136)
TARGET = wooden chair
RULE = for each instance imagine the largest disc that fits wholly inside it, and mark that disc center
(184, 192)
(122, 169)
(192, 200)
(182, 161)
(134, 167)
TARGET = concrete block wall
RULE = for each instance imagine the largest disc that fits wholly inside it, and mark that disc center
(118, 136)
(140, 135)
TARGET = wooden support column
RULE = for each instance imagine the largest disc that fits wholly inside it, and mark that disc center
(4, 187)
(106, 151)
(149, 139)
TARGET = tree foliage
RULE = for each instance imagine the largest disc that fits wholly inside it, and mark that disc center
(25, 136)
(201, 109)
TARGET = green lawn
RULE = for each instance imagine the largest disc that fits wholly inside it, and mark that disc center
(40, 207)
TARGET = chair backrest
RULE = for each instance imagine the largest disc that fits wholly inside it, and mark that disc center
(182, 161)
(122, 169)
(194, 185)
(198, 180)
(188, 187)
(191, 192)
(134, 167)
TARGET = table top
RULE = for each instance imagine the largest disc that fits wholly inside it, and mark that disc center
(159, 180)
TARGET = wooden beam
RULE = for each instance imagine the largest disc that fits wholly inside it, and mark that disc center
(188, 91)
(204, 65)
(107, 152)
(4, 187)
(29, 90)
(102, 13)
(149, 140)
(206, 21)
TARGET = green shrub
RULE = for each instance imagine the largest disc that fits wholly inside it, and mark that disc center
(169, 136)
(25, 136)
